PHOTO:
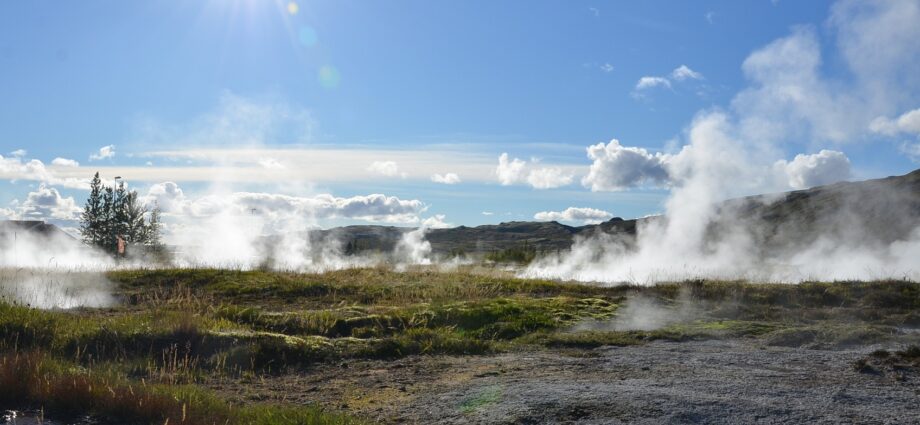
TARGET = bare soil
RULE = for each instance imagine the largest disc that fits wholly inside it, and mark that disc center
(716, 381)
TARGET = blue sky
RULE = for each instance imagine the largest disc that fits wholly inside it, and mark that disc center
(260, 89)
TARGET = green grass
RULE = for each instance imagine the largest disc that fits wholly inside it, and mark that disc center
(62, 390)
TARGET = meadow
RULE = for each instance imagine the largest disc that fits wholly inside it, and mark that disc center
(196, 346)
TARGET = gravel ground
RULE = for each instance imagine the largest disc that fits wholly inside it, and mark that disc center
(720, 381)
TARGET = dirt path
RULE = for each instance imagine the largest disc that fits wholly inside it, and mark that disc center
(736, 381)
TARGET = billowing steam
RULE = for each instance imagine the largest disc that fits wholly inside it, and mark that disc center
(740, 152)
(43, 288)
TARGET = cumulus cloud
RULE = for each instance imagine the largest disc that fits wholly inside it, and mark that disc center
(47, 203)
(448, 178)
(684, 72)
(386, 168)
(908, 122)
(574, 214)
(548, 178)
(167, 196)
(19, 153)
(436, 222)
(64, 162)
(616, 167)
(650, 82)
(509, 171)
(104, 152)
(824, 167)
(516, 171)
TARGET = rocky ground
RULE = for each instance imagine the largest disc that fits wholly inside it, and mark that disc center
(716, 381)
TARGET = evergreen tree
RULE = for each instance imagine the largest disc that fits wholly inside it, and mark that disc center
(113, 212)
(153, 229)
(108, 242)
(91, 220)
(135, 229)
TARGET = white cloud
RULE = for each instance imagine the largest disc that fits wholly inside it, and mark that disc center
(683, 72)
(436, 222)
(487, 213)
(19, 153)
(824, 167)
(278, 207)
(386, 168)
(650, 82)
(548, 178)
(912, 150)
(908, 122)
(448, 178)
(47, 203)
(516, 171)
(607, 67)
(509, 172)
(574, 214)
(104, 152)
(15, 169)
(271, 163)
(64, 162)
(616, 167)
(167, 196)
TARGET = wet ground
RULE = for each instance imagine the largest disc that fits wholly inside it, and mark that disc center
(718, 381)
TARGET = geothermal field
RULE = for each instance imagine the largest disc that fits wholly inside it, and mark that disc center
(295, 212)
(414, 325)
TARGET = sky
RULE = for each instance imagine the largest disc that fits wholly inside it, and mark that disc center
(444, 113)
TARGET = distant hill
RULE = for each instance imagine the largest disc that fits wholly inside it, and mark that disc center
(878, 211)
(875, 211)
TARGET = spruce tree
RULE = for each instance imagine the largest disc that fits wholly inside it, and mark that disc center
(113, 212)
(132, 216)
(153, 229)
(91, 220)
(108, 242)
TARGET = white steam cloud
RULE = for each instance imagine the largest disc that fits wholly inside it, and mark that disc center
(734, 153)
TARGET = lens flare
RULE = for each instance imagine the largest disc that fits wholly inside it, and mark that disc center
(307, 36)
(329, 77)
(293, 8)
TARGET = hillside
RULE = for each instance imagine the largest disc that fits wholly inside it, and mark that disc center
(875, 211)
